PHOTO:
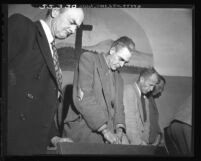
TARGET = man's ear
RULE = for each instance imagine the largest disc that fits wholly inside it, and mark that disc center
(55, 12)
(112, 50)
(141, 79)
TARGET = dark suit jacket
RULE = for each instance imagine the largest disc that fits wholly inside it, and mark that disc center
(93, 108)
(154, 120)
(32, 87)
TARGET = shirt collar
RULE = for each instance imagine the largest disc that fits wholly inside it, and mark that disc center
(138, 89)
(104, 57)
(47, 30)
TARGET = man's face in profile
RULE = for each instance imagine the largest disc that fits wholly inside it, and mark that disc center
(148, 84)
(159, 88)
(66, 22)
(119, 58)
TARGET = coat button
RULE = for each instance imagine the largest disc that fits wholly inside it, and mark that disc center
(30, 96)
(22, 117)
(37, 76)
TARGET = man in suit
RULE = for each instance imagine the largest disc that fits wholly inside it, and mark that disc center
(34, 77)
(98, 115)
(136, 107)
(155, 134)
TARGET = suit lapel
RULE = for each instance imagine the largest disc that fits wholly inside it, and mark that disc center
(45, 49)
(103, 74)
(139, 104)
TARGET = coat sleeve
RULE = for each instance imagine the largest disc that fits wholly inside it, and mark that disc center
(91, 109)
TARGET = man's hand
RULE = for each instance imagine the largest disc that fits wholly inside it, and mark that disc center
(119, 134)
(125, 139)
(57, 139)
(157, 140)
(143, 143)
(110, 137)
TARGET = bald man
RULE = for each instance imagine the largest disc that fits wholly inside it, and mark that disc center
(136, 107)
(35, 78)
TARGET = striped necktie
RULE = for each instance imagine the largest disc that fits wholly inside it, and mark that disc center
(56, 65)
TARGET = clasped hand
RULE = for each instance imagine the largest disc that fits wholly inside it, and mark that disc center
(111, 137)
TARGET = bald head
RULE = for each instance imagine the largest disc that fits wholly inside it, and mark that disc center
(75, 13)
(159, 88)
(147, 80)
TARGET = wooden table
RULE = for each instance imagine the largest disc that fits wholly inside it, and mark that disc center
(107, 149)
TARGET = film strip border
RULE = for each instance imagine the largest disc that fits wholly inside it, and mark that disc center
(50, 6)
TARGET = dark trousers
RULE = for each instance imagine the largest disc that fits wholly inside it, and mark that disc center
(178, 138)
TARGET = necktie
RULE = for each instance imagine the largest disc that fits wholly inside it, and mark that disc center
(56, 65)
(143, 107)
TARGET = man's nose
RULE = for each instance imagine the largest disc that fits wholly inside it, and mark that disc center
(121, 64)
(73, 29)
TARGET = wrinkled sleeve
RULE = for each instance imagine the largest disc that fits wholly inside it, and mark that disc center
(90, 108)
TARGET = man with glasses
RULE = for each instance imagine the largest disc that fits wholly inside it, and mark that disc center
(98, 116)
